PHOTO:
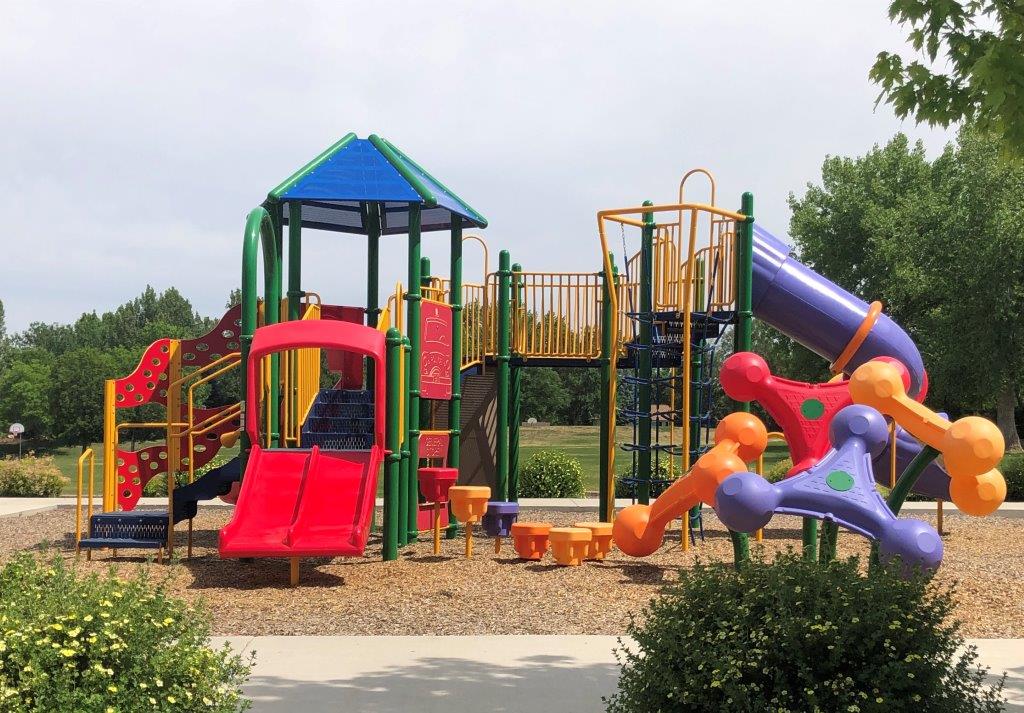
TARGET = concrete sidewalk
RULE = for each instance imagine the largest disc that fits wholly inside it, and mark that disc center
(453, 673)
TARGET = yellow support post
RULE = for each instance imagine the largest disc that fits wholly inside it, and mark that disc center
(174, 433)
(109, 446)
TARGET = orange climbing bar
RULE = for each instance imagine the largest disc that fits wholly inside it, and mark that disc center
(740, 438)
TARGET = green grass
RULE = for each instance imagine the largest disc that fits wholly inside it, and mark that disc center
(66, 459)
(581, 442)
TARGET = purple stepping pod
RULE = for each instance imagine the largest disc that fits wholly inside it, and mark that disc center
(839, 488)
(498, 519)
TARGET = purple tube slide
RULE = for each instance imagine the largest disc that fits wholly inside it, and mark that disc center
(823, 317)
(819, 314)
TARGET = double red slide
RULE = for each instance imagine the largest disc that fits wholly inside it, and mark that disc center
(306, 502)
(303, 503)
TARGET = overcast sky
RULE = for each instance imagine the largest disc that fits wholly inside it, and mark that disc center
(135, 137)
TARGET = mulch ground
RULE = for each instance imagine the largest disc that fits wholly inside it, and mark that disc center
(499, 594)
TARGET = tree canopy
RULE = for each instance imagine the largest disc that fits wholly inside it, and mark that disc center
(941, 243)
(981, 46)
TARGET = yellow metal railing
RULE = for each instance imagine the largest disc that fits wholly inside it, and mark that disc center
(556, 314)
(300, 374)
(87, 456)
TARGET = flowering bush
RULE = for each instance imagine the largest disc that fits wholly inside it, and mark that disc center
(793, 635)
(105, 644)
(31, 476)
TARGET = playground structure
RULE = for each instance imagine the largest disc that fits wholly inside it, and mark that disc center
(311, 453)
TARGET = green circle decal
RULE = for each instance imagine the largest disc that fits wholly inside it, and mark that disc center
(812, 409)
(839, 480)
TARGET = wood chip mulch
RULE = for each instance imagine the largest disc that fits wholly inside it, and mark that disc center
(499, 594)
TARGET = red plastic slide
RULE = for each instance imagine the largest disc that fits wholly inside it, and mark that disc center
(298, 503)
(306, 502)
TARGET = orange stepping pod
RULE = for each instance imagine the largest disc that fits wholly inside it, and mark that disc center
(739, 439)
(469, 504)
(971, 447)
(600, 539)
(569, 545)
(530, 539)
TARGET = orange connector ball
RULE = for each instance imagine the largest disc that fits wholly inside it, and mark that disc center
(569, 545)
(600, 539)
(530, 539)
(971, 447)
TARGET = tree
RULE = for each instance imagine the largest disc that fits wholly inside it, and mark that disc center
(942, 246)
(982, 43)
(77, 395)
(544, 397)
(25, 392)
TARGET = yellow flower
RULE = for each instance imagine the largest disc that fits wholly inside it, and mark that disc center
(172, 699)
(67, 653)
(87, 617)
(112, 688)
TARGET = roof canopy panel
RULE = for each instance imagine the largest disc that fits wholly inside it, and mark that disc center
(335, 188)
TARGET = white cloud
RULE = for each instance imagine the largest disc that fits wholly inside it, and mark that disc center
(134, 138)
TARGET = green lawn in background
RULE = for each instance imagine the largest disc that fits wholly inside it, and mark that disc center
(579, 442)
(67, 460)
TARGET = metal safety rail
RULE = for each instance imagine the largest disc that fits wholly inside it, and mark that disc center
(300, 376)
(556, 315)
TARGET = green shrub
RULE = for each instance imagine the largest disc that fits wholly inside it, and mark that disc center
(800, 636)
(777, 471)
(157, 486)
(94, 643)
(1013, 470)
(664, 470)
(551, 474)
(30, 477)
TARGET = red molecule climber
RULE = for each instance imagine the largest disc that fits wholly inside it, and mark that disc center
(803, 410)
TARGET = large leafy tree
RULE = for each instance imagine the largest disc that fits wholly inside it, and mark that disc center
(76, 397)
(25, 386)
(969, 64)
(941, 244)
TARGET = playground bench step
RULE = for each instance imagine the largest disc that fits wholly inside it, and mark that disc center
(122, 543)
(142, 527)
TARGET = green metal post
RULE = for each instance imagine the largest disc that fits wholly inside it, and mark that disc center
(644, 368)
(392, 471)
(372, 218)
(744, 324)
(908, 478)
(607, 374)
(294, 260)
(294, 296)
(503, 357)
(413, 296)
(421, 425)
(406, 471)
(514, 394)
(277, 435)
(455, 406)
(259, 232)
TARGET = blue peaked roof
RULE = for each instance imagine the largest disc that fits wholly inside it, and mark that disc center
(335, 189)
